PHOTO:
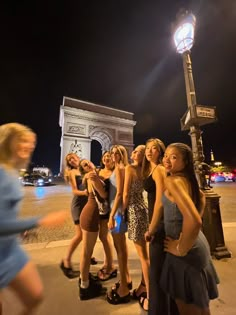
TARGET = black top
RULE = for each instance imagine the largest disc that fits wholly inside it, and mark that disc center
(150, 186)
(81, 186)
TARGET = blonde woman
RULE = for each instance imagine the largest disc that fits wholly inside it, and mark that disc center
(17, 271)
(137, 215)
(89, 287)
(108, 270)
(80, 197)
(120, 293)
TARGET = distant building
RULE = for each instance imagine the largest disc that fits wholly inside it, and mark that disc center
(42, 170)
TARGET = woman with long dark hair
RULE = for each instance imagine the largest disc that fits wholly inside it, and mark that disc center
(153, 174)
(188, 274)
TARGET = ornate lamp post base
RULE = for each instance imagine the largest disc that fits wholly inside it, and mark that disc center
(212, 226)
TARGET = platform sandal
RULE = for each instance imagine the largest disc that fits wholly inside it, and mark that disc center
(117, 284)
(136, 296)
(142, 301)
(103, 275)
(114, 298)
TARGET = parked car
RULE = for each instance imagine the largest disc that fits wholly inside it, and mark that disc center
(229, 176)
(233, 176)
(217, 177)
(36, 180)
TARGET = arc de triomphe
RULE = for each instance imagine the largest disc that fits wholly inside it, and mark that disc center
(81, 122)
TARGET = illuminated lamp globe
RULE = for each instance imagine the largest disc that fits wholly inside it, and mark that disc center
(184, 34)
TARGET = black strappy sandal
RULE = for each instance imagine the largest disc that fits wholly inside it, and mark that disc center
(68, 271)
(142, 301)
(136, 296)
(103, 275)
(114, 298)
(117, 284)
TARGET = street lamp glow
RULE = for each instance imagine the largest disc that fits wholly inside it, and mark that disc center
(184, 34)
(212, 225)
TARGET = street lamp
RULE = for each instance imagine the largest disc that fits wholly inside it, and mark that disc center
(196, 116)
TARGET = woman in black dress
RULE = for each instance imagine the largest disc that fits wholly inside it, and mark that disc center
(153, 175)
(80, 197)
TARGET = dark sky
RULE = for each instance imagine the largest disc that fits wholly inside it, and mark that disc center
(119, 54)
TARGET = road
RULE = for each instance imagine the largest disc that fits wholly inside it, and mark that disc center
(42, 200)
(61, 294)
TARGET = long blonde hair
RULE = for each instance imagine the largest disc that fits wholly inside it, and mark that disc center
(123, 153)
(69, 167)
(8, 133)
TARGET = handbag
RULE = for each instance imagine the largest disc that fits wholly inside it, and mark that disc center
(120, 223)
(103, 206)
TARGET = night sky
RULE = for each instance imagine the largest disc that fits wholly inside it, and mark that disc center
(118, 54)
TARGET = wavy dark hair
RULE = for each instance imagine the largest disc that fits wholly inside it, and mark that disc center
(188, 170)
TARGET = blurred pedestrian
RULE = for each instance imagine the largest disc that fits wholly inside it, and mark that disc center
(188, 274)
(17, 271)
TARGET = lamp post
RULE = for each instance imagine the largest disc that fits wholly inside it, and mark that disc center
(196, 116)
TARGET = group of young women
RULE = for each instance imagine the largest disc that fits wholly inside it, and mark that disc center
(177, 273)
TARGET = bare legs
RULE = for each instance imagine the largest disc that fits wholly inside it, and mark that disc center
(106, 240)
(122, 255)
(72, 246)
(142, 251)
(89, 241)
(28, 286)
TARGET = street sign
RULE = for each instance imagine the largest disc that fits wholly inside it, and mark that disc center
(206, 112)
(198, 115)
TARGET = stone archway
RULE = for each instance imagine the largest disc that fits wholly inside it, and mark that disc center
(81, 122)
(103, 136)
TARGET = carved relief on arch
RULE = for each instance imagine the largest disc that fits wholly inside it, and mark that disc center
(109, 132)
(104, 136)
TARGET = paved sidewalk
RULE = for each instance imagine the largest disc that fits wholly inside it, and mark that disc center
(61, 294)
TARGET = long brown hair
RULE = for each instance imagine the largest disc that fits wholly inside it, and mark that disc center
(146, 164)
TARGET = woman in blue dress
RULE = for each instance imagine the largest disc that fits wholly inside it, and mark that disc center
(120, 292)
(17, 271)
(188, 274)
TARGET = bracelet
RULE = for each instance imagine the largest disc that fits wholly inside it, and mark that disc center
(179, 252)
